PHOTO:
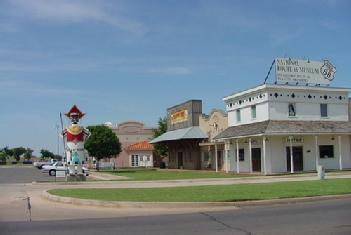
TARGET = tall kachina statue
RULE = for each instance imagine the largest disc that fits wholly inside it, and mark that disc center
(74, 138)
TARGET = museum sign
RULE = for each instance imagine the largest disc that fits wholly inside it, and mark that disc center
(304, 71)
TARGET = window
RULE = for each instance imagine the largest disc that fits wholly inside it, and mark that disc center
(324, 110)
(253, 111)
(148, 158)
(238, 116)
(292, 109)
(326, 151)
(241, 155)
(206, 156)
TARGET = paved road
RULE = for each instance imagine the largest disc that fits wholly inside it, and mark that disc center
(27, 174)
(323, 217)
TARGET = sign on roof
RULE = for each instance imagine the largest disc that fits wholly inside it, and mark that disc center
(304, 71)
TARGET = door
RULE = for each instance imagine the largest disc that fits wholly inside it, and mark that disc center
(219, 159)
(256, 159)
(180, 159)
(297, 158)
(135, 160)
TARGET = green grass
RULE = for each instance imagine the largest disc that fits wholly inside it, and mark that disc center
(222, 193)
(153, 174)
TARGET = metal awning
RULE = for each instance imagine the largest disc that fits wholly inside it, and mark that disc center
(187, 133)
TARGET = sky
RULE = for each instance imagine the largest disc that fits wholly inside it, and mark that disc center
(131, 60)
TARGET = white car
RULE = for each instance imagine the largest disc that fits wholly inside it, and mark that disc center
(52, 168)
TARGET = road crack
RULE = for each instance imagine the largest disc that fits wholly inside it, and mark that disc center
(211, 217)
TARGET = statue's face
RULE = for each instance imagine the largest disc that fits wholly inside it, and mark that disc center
(74, 118)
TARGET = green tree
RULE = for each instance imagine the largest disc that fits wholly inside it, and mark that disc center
(46, 154)
(8, 151)
(102, 143)
(3, 157)
(28, 154)
(161, 149)
(17, 152)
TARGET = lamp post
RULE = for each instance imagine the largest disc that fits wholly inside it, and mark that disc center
(58, 139)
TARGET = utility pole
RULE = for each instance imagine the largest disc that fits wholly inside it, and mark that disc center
(58, 139)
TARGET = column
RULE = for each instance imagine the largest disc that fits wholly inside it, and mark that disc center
(264, 154)
(226, 147)
(237, 157)
(316, 150)
(216, 156)
(291, 155)
(340, 155)
(250, 155)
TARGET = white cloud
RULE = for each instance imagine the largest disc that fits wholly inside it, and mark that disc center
(65, 11)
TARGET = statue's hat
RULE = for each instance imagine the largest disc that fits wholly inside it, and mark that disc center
(75, 110)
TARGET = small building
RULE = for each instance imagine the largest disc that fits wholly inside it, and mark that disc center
(129, 133)
(183, 135)
(140, 154)
(212, 152)
(276, 128)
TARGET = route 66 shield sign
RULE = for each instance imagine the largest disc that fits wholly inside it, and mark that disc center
(328, 70)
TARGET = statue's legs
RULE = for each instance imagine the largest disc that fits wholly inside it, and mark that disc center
(71, 170)
(79, 169)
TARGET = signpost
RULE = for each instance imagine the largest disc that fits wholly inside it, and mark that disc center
(304, 71)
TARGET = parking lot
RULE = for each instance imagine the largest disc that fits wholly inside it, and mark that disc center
(23, 174)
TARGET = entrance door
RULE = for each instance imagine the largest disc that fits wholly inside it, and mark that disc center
(180, 159)
(135, 160)
(297, 158)
(219, 159)
(256, 159)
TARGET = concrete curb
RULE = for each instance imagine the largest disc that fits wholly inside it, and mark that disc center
(171, 205)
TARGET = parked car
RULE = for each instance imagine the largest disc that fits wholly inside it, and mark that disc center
(40, 164)
(52, 168)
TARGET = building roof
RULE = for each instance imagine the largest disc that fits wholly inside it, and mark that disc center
(273, 127)
(193, 132)
(142, 146)
(286, 87)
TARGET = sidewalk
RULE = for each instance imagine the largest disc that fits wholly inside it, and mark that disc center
(106, 176)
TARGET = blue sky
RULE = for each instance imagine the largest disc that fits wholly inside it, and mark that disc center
(130, 60)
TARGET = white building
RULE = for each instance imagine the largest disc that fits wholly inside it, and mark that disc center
(273, 127)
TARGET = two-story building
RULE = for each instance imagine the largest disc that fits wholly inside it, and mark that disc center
(287, 128)
(134, 138)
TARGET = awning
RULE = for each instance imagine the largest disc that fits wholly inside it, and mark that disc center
(187, 133)
(273, 127)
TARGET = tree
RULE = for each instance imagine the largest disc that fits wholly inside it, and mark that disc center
(8, 151)
(102, 142)
(3, 156)
(46, 154)
(17, 152)
(28, 154)
(161, 149)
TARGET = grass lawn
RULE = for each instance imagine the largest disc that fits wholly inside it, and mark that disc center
(221, 193)
(153, 174)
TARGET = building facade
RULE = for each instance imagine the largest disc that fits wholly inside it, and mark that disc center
(284, 128)
(140, 154)
(212, 153)
(129, 133)
(183, 135)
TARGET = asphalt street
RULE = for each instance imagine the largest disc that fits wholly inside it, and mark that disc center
(25, 174)
(319, 217)
(323, 217)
